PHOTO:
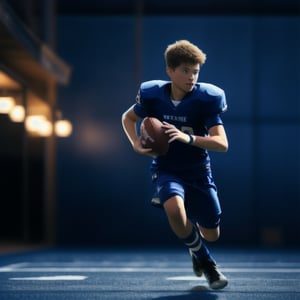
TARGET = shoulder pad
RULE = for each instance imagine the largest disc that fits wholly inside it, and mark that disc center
(150, 88)
(214, 96)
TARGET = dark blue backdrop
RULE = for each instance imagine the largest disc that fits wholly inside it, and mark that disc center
(104, 187)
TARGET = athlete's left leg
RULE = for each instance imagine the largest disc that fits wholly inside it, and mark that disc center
(175, 211)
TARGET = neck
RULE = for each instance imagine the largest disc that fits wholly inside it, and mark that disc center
(176, 94)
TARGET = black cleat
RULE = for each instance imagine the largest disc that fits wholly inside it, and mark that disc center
(197, 265)
(206, 266)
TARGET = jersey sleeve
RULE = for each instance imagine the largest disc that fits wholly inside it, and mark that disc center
(138, 106)
(215, 104)
(216, 99)
(213, 120)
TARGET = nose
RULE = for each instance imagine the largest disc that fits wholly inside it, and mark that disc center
(192, 77)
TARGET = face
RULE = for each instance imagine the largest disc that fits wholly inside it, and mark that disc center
(184, 77)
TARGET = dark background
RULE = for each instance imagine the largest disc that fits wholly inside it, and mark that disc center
(103, 187)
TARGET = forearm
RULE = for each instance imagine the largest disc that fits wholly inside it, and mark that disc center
(129, 122)
(212, 143)
(216, 140)
(129, 127)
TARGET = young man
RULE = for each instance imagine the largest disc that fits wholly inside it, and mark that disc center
(190, 113)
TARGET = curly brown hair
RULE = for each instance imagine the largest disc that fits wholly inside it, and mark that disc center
(183, 51)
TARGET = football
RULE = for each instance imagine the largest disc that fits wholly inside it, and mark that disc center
(153, 136)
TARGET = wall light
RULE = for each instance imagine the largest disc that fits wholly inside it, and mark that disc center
(39, 125)
(17, 114)
(6, 104)
(33, 122)
(46, 128)
(63, 128)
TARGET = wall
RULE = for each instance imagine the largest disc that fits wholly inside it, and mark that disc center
(104, 187)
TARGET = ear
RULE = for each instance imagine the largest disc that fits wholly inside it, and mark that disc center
(169, 71)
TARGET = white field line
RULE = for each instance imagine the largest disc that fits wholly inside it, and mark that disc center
(52, 278)
(27, 267)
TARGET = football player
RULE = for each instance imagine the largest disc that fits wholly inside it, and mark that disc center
(191, 115)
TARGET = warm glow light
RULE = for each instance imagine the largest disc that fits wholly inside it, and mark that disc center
(17, 114)
(38, 124)
(63, 128)
(34, 122)
(6, 104)
(46, 128)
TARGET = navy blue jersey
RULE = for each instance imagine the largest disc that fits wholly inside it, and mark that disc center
(199, 110)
